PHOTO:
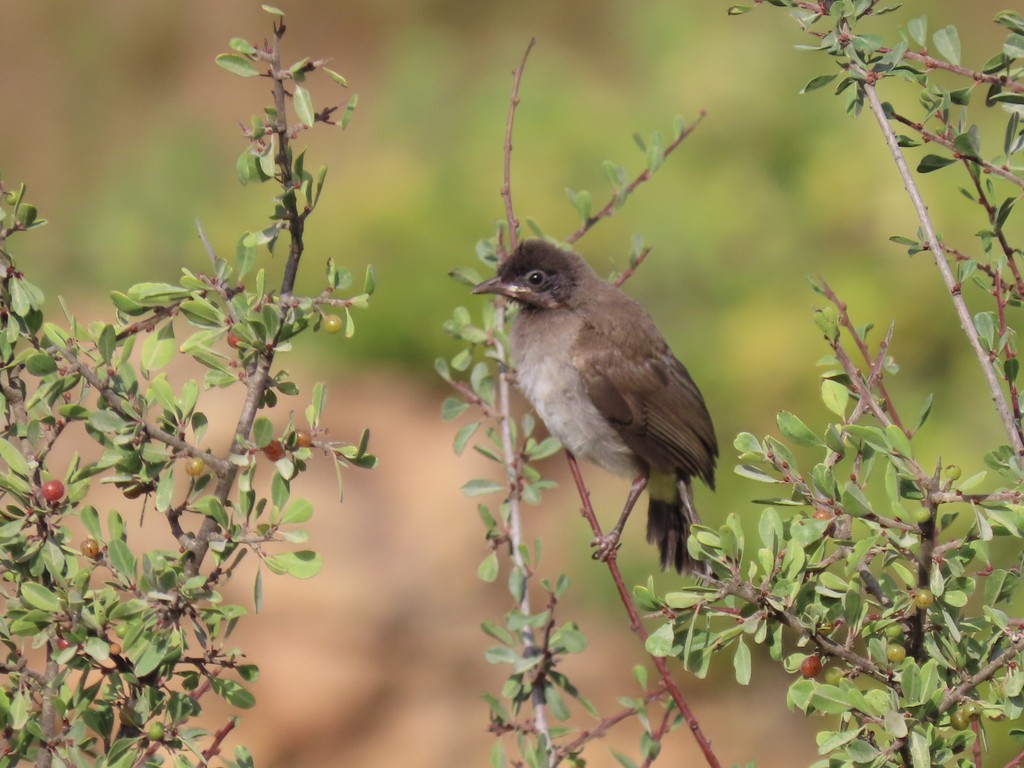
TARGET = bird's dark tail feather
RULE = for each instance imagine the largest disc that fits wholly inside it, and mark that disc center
(668, 526)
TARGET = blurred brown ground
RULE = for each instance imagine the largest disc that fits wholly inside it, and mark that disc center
(378, 661)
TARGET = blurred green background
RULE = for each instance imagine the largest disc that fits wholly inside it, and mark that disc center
(126, 132)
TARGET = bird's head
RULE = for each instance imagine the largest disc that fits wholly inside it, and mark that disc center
(538, 275)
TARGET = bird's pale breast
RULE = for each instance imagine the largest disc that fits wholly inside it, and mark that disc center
(547, 376)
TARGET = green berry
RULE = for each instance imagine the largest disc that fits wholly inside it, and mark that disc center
(923, 599)
(895, 653)
(332, 323)
(834, 675)
(960, 720)
(195, 467)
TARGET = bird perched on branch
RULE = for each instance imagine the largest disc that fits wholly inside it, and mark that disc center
(604, 381)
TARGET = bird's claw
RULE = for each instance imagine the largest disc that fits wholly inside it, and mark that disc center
(605, 546)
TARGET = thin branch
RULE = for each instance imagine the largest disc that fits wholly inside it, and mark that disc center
(875, 362)
(260, 377)
(1005, 414)
(979, 77)
(506, 186)
(638, 628)
(618, 196)
(864, 665)
(1008, 656)
(510, 456)
(599, 730)
(1002, 172)
(117, 405)
(631, 270)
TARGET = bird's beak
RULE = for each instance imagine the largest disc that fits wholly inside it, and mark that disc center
(496, 286)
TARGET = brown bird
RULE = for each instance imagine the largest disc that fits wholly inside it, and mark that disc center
(604, 381)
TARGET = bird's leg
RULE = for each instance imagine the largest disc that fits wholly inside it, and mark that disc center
(607, 544)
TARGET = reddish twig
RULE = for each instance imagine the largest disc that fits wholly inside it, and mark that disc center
(996, 170)
(844, 320)
(631, 270)
(506, 186)
(979, 77)
(636, 625)
(612, 205)
(218, 738)
(599, 730)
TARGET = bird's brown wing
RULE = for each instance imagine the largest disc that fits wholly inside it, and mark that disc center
(636, 383)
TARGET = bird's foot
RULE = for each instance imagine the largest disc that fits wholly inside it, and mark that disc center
(606, 546)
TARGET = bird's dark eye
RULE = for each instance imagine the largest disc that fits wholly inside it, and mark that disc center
(536, 278)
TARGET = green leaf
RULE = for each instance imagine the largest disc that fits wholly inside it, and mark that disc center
(918, 30)
(746, 442)
(835, 396)
(232, 692)
(242, 46)
(350, 109)
(796, 431)
(370, 281)
(463, 436)
(336, 77)
(304, 106)
(262, 432)
(90, 521)
(660, 642)
(920, 755)
(236, 65)
(38, 596)
(124, 303)
(1011, 20)
(480, 487)
(931, 163)
(122, 559)
(488, 569)
(741, 662)
(14, 459)
(830, 700)
(303, 564)
(818, 82)
(947, 41)
(299, 511)
(272, 10)
(213, 508)
(41, 364)
(158, 349)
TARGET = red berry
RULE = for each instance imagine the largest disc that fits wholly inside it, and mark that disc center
(303, 438)
(232, 340)
(53, 491)
(274, 450)
(62, 644)
(810, 666)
